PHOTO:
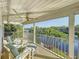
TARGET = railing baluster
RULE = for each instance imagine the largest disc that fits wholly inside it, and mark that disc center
(64, 51)
(53, 44)
(61, 46)
(58, 46)
(78, 49)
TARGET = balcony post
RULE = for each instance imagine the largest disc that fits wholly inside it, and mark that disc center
(1, 34)
(1, 29)
(23, 31)
(34, 32)
(71, 36)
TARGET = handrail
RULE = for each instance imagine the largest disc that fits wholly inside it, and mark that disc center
(7, 48)
(50, 51)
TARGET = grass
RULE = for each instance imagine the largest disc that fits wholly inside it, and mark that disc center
(56, 50)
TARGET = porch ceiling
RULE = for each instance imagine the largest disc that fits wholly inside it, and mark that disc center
(36, 9)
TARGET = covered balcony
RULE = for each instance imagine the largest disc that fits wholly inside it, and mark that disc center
(22, 44)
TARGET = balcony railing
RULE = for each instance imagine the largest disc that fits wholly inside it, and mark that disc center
(59, 46)
(56, 45)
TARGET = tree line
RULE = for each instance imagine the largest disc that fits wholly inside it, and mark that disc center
(61, 31)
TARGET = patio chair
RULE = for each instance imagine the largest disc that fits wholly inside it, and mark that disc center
(16, 54)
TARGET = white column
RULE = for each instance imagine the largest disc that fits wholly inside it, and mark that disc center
(1, 33)
(34, 32)
(78, 50)
(23, 32)
(71, 35)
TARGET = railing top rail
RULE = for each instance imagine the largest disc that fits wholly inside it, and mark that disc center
(50, 51)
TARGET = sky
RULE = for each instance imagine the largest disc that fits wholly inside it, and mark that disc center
(64, 21)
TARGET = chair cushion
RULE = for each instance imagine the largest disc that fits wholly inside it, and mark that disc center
(13, 49)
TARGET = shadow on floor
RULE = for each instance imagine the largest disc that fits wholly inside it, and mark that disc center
(45, 57)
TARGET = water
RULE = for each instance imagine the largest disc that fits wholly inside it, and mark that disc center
(63, 45)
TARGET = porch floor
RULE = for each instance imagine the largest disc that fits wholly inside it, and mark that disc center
(42, 53)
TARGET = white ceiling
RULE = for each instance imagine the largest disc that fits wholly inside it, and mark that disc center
(39, 5)
(36, 8)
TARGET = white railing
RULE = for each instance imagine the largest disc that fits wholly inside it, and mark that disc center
(56, 44)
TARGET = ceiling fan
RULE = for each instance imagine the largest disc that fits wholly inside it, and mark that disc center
(26, 17)
(28, 13)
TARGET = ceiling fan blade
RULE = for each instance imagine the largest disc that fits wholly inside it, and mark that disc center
(17, 13)
(29, 18)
